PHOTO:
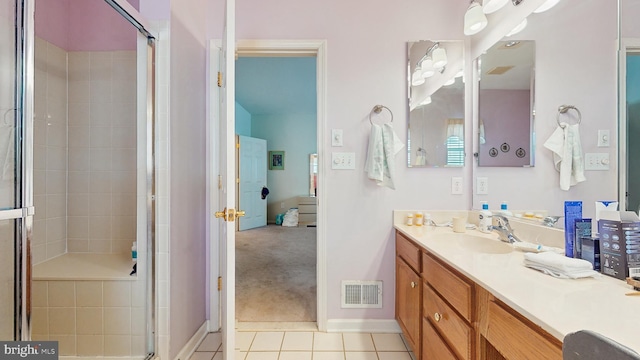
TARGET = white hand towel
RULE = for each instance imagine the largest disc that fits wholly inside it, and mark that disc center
(384, 144)
(567, 154)
(558, 265)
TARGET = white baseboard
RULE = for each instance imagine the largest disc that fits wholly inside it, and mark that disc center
(190, 347)
(363, 326)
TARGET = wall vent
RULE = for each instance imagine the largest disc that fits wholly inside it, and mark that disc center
(361, 294)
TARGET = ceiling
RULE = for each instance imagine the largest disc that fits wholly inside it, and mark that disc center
(276, 85)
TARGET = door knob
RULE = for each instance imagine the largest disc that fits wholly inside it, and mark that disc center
(240, 213)
(230, 214)
(437, 316)
(221, 214)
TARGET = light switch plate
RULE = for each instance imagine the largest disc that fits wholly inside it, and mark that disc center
(336, 137)
(456, 185)
(596, 161)
(482, 185)
(604, 138)
(343, 161)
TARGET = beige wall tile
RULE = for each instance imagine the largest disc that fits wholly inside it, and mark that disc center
(56, 181)
(62, 321)
(39, 293)
(90, 345)
(79, 91)
(79, 180)
(100, 160)
(99, 227)
(123, 204)
(124, 159)
(62, 294)
(79, 137)
(124, 182)
(56, 229)
(100, 246)
(124, 227)
(102, 114)
(78, 227)
(138, 292)
(138, 345)
(117, 345)
(117, 293)
(119, 246)
(100, 205)
(117, 320)
(79, 114)
(78, 205)
(80, 161)
(89, 293)
(56, 205)
(40, 320)
(55, 248)
(89, 321)
(100, 183)
(138, 323)
(77, 246)
(101, 136)
(66, 344)
(124, 137)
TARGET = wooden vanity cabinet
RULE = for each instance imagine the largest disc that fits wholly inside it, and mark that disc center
(445, 315)
(408, 290)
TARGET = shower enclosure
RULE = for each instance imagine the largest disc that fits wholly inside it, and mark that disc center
(77, 176)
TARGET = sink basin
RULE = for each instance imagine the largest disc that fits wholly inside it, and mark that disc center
(475, 243)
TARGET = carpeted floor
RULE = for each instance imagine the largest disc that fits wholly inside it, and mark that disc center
(276, 274)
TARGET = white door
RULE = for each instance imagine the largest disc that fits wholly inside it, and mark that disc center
(227, 185)
(253, 178)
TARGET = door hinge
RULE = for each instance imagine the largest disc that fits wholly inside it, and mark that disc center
(237, 145)
(219, 79)
(238, 181)
(219, 283)
(219, 181)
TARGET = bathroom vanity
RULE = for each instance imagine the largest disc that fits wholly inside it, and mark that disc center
(468, 296)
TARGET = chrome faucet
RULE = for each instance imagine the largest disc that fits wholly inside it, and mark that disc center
(504, 230)
(550, 221)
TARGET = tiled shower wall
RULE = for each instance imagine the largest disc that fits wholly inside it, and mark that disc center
(85, 151)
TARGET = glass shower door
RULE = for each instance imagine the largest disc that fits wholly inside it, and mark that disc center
(15, 199)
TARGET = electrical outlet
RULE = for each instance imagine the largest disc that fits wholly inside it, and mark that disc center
(456, 185)
(482, 185)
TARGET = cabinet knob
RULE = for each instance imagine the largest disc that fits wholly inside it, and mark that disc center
(414, 284)
(437, 316)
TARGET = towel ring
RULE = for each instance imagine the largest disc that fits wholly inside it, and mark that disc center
(562, 109)
(378, 109)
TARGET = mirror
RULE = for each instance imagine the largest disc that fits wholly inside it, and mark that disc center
(313, 174)
(506, 75)
(436, 104)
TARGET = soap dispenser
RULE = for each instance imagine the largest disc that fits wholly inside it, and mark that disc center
(485, 221)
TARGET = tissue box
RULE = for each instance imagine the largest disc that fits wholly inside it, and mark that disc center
(619, 243)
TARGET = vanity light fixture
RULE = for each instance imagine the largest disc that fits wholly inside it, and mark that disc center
(460, 73)
(491, 6)
(450, 82)
(433, 60)
(546, 6)
(518, 28)
(426, 101)
(439, 57)
(427, 68)
(474, 19)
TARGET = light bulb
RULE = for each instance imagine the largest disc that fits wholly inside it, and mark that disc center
(426, 101)
(491, 6)
(427, 68)
(439, 58)
(416, 78)
(450, 82)
(474, 19)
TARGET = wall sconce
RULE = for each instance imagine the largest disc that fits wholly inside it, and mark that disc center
(474, 19)
(491, 6)
(546, 6)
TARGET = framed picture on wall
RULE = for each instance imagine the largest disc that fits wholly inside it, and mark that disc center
(276, 160)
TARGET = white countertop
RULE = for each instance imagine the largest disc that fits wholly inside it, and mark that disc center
(560, 306)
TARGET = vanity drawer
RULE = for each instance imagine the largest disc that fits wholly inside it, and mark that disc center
(454, 288)
(433, 347)
(408, 251)
(506, 328)
(452, 327)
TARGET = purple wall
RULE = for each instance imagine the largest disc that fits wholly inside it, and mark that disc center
(507, 119)
(84, 25)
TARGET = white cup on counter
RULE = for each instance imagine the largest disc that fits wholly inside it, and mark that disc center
(459, 224)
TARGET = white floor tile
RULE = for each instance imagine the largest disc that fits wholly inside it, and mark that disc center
(244, 340)
(327, 342)
(295, 355)
(297, 341)
(393, 356)
(357, 355)
(211, 342)
(358, 342)
(267, 341)
(388, 342)
(328, 355)
(202, 355)
(262, 355)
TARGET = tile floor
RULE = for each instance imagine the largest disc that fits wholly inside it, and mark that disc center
(306, 345)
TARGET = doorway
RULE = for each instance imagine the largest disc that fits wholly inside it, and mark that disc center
(276, 101)
(629, 124)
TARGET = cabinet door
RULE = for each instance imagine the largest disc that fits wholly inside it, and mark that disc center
(408, 296)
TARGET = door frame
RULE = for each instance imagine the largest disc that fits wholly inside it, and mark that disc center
(266, 47)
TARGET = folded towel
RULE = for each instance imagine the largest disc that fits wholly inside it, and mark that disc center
(384, 144)
(567, 154)
(559, 266)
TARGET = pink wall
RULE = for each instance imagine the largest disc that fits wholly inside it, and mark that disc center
(84, 25)
(507, 119)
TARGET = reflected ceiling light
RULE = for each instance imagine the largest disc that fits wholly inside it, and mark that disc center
(474, 19)
(427, 68)
(546, 6)
(416, 77)
(518, 28)
(439, 56)
(491, 6)
(426, 101)
(460, 73)
(450, 82)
